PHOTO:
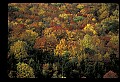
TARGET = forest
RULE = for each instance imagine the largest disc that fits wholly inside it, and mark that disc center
(63, 40)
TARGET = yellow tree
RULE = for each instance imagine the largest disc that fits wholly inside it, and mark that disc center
(47, 31)
(89, 28)
(24, 71)
(19, 49)
(103, 11)
(61, 48)
(71, 35)
(29, 36)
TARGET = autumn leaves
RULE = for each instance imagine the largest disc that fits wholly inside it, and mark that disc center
(47, 39)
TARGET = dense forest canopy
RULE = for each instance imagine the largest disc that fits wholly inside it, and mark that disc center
(63, 40)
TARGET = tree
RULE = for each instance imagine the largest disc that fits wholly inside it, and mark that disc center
(47, 31)
(87, 42)
(78, 18)
(105, 14)
(89, 28)
(64, 16)
(59, 32)
(116, 13)
(29, 36)
(113, 44)
(61, 48)
(110, 25)
(110, 74)
(47, 43)
(15, 31)
(115, 40)
(40, 43)
(96, 40)
(73, 47)
(106, 57)
(51, 42)
(80, 6)
(71, 35)
(19, 49)
(24, 71)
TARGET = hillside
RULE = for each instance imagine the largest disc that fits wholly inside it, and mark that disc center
(63, 40)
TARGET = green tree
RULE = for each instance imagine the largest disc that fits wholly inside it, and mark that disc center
(87, 42)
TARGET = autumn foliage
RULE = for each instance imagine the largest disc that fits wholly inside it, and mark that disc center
(63, 40)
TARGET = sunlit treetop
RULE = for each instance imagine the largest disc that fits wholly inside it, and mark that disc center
(90, 27)
(24, 71)
(19, 49)
(61, 48)
(80, 6)
(65, 16)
